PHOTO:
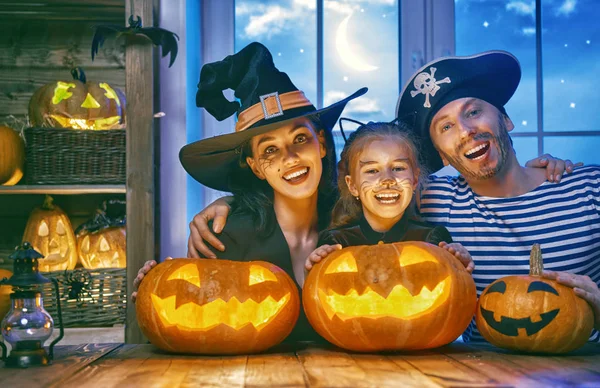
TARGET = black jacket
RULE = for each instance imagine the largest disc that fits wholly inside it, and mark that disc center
(406, 229)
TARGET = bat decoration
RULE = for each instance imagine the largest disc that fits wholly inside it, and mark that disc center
(159, 36)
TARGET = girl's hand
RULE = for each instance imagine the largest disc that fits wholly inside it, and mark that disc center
(583, 286)
(460, 253)
(140, 276)
(320, 253)
(555, 167)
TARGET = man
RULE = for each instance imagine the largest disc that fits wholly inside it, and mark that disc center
(497, 208)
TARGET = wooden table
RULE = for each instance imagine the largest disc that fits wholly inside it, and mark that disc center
(455, 365)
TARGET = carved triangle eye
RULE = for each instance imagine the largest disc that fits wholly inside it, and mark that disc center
(345, 263)
(43, 230)
(188, 272)
(60, 228)
(85, 245)
(260, 274)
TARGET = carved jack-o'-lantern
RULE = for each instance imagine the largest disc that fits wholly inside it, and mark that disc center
(101, 241)
(50, 232)
(410, 295)
(216, 306)
(78, 104)
(533, 314)
(105, 248)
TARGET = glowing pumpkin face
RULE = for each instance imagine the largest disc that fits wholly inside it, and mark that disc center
(389, 297)
(105, 248)
(532, 314)
(78, 104)
(216, 306)
(50, 232)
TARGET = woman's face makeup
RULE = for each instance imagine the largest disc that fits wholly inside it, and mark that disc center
(289, 158)
(383, 178)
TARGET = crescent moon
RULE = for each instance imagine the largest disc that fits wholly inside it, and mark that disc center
(343, 48)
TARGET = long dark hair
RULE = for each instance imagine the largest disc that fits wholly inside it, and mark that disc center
(254, 196)
(347, 209)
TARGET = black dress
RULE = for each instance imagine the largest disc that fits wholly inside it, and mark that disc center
(243, 243)
(407, 229)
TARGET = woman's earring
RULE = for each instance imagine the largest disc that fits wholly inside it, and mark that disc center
(358, 199)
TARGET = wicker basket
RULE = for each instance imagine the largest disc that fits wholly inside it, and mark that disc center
(101, 302)
(72, 156)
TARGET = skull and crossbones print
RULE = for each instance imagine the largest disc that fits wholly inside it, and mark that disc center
(426, 84)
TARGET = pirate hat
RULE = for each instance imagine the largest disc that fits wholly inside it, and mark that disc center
(492, 76)
(268, 99)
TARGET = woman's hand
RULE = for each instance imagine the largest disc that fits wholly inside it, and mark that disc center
(319, 254)
(460, 253)
(583, 286)
(140, 276)
(200, 232)
(555, 168)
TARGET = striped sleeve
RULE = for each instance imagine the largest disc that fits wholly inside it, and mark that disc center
(564, 218)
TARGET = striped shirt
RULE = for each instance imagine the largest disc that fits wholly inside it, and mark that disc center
(564, 218)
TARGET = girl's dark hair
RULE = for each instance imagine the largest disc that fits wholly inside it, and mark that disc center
(254, 196)
(347, 209)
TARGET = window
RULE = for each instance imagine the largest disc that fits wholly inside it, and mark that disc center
(353, 53)
(555, 106)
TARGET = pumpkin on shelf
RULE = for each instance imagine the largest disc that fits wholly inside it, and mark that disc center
(210, 306)
(533, 314)
(78, 104)
(400, 296)
(12, 156)
(101, 242)
(5, 292)
(50, 232)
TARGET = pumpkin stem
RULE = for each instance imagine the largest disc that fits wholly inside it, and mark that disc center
(78, 74)
(536, 264)
(48, 205)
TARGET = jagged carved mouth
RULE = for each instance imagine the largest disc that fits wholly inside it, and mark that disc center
(233, 313)
(399, 303)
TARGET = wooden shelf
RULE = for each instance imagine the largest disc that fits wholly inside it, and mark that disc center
(63, 189)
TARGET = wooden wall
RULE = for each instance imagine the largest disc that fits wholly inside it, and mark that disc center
(40, 41)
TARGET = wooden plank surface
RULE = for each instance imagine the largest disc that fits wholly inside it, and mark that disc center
(68, 360)
(445, 370)
(146, 366)
(458, 365)
(140, 158)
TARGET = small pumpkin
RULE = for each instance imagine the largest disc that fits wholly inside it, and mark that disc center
(5, 292)
(400, 296)
(50, 232)
(213, 306)
(78, 104)
(533, 314)
(101, 242)
(12, 156)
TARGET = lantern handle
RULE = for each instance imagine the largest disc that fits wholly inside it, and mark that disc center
(60, 321)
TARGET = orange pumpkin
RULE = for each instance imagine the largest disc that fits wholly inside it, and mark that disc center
(77, 104)
(216, 306)
(5, 292)
(105, 248)
(533, 314)
(410, 295)
(12, 156)
(50, 232)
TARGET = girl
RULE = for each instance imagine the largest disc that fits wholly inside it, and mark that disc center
(279, 165)
(379, 172)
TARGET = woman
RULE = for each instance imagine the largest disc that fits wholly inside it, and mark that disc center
(279, 164)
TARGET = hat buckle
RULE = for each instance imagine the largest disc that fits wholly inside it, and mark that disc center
(267, 105)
